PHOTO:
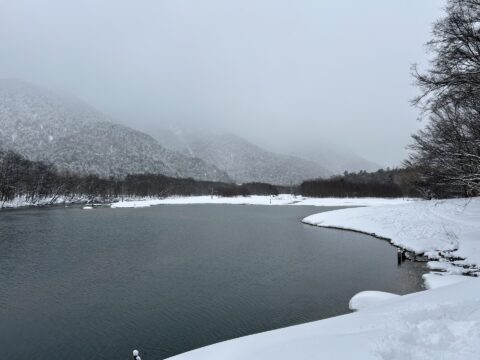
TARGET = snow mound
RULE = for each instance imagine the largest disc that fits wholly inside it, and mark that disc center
(366, 299)
(436, 280)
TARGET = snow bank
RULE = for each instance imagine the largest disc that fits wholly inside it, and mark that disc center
(283, 199)
(447, 231)
(442, 323)
(366, 299)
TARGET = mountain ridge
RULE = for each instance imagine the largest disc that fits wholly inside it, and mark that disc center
(242, 160)
(45, 125)
(216, 148)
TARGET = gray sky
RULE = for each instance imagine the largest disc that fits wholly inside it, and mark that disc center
(281, 73)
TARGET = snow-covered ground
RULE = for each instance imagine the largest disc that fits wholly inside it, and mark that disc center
(283, 199)
(440, 323)
(447, 231)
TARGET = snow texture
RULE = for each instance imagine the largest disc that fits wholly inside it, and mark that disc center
(436, 280)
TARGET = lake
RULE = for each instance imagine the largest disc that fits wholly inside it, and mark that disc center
(78, 284)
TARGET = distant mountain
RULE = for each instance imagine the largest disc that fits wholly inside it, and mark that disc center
(335, 161)
(45, 125)
(244, 161)
(240, 159)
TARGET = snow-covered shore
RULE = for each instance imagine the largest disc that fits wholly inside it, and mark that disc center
(443, 323)
(440, 323)
(446, 231)
(282, 199)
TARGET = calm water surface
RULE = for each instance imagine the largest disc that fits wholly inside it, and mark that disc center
(77, 284)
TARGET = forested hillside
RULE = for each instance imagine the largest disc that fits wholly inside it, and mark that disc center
(43, 125)
(382, 183)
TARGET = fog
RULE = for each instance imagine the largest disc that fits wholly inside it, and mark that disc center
(284, 74)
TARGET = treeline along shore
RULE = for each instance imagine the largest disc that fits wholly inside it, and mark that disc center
(37, 180)
(390, 183)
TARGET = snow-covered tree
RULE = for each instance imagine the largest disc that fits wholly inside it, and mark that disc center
(447, 152)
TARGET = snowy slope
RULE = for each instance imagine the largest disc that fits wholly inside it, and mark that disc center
(242, 160)
(321, 160)
(334, 160)
(442, 323)
(44, 125)
(246, 162)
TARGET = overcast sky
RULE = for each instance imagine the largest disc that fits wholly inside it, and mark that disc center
(281, 73)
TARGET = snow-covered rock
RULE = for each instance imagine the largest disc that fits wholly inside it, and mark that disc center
(366, 299)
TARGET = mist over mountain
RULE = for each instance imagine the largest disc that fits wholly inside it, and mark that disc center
(44, 125)
(245, 161)
(242, 160)
(337, 162)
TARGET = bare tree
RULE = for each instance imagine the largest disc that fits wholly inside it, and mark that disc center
(447, 152)
(454, 73)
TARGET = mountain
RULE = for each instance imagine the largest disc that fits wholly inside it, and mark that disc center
(44, 125)
(335, 161)
(244, 161)
(240, 159)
